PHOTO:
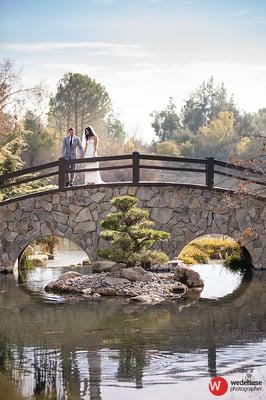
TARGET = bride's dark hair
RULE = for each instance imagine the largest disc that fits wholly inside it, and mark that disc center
(89, 132)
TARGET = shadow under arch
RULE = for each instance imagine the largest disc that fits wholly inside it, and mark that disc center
(38, 236)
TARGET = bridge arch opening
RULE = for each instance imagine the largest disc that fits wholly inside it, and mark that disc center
(220, 260)
(51, 251)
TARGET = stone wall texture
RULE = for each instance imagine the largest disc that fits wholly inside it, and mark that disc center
(185, 212)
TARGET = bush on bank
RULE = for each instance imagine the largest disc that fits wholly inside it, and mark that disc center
(206, 248)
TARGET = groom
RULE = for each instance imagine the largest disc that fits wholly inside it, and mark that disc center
(69, 153)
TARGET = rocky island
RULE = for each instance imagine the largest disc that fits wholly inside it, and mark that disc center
(135, 284)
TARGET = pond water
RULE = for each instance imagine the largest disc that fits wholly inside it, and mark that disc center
(54, 347)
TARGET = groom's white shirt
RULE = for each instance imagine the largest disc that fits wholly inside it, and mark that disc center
(69, 152)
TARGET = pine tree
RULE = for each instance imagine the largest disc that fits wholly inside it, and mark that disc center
(131, 234)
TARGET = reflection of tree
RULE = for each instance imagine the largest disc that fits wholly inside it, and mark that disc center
(95, 371)
(5, 354)
(70, 373)
(211, 343)
(52, 375)
(45, 375)
(212, 360)
(132, 360)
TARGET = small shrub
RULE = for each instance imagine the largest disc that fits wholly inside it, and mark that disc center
(26, 263)
(200, 250)
(194, 255)
(235, 263)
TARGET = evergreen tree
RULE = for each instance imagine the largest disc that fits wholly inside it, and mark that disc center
(166, 122)
(79, 101)
(205, 104)
(131, 234)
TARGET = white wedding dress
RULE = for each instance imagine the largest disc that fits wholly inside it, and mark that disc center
(93, 176)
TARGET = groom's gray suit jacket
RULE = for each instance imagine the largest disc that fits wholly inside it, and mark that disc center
(69, 152)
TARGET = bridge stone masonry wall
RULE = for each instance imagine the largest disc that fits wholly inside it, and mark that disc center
(185, 212)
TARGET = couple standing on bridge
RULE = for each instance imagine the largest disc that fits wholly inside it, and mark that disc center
(88, 147)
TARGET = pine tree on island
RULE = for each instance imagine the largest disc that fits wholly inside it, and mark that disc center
(131, 235)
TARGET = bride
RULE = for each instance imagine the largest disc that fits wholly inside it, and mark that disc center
(90, 143)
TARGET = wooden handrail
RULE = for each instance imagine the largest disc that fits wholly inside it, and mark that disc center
(27, 180)
(26, 171)
(237, 167)
(61, 168)
(172, 168)
(113, 167)
(240, 178)
(103, 158)
(170, 158)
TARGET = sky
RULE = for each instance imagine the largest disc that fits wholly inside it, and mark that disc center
(142, 51)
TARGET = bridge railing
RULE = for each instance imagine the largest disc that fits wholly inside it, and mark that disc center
(203, 171)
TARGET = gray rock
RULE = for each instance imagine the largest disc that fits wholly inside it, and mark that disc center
(56, 199)
(27, 205)
(45, 230)
(112, 281)
(84, 215)
(97, 197)
(188, 277)
(106, 291)
(48, 207)
(162, 215)
(117, 267)
(88, 226)
(69, 275)
(145, 193)
(86, 263)
(74, 209)
(96, 296)
(243, 219)
(60, 218)
(102, 266)
(136, 274)
(148, 299)
(87, 292)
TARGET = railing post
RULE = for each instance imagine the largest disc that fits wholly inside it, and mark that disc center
(135, 167)
(61, 174)
(209, 172)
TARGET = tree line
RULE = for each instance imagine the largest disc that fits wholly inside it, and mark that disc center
(208, 124)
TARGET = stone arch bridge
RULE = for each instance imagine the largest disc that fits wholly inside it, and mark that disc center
(185, 211)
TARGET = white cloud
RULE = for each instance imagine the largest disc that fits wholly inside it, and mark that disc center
(240, 13)
(101, 1)
(48, 46)
(186, 2)
(259, 18)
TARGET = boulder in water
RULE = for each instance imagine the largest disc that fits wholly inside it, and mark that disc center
(188, 277)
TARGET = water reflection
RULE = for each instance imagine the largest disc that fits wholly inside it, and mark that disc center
(81, 350)
(218, 280)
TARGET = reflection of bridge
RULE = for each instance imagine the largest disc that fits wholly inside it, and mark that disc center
(186, 210)
(135, 336)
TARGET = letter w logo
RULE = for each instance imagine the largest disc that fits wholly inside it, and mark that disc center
(218, 386)
(215, 386)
